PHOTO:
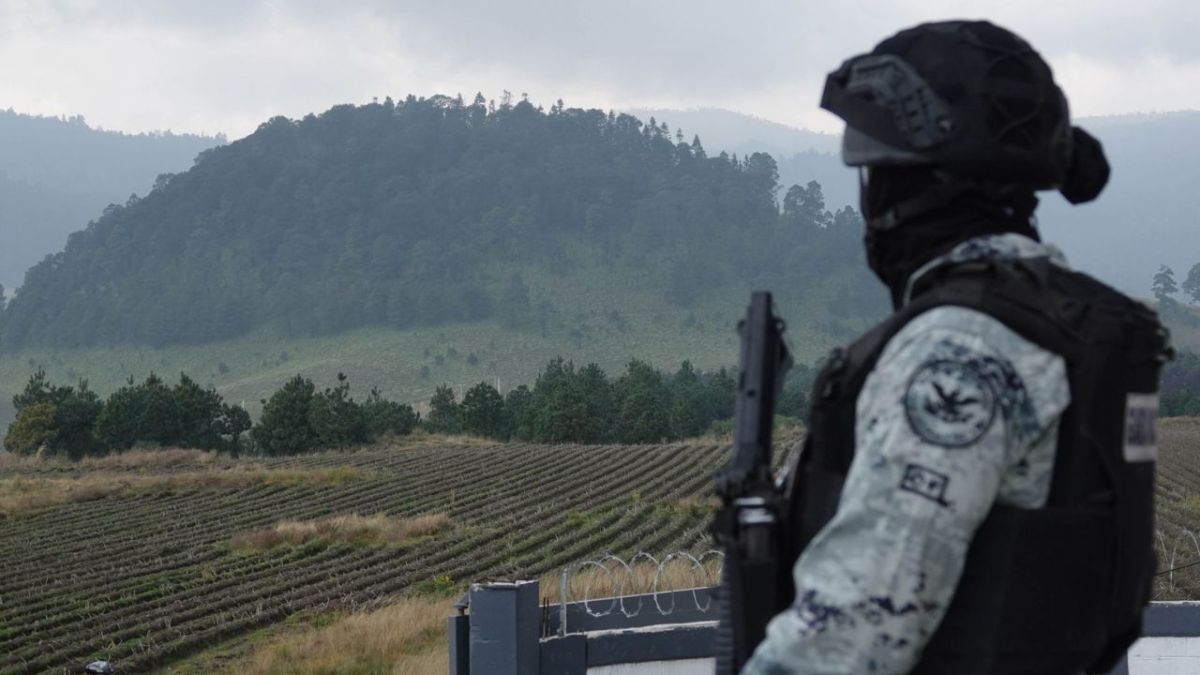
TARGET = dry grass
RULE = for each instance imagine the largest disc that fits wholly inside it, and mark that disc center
(153, 459)
(406, 638)
(11, 462)
(350, 529)
(20, 494)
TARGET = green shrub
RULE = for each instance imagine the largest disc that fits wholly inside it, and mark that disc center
(384, 417)
(32, 429)
(75, 412)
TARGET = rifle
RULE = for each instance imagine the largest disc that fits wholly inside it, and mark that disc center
(748, 524)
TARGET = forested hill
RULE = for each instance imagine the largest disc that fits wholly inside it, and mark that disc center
(429, 211)
(56, 174)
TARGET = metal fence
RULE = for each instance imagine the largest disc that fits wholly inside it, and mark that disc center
(657, 610)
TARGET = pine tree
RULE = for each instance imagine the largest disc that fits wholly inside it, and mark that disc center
(518, 404)
(200, 413)
(1163, 285)
(444, 416)
(336, 420)
(482, 412)
(283, 428)
(140, 413)
(643, 405)
(1191, 285)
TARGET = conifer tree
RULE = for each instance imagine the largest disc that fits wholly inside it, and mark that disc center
(1164, 285)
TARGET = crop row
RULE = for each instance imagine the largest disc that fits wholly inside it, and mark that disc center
(172, 587)
(148, 578)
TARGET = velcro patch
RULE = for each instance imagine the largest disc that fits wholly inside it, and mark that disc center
(923, 481)
(1141, 438)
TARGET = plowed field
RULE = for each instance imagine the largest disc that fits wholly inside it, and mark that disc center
(147, 577)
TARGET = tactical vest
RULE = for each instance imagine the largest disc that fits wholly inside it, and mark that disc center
(1056, 590)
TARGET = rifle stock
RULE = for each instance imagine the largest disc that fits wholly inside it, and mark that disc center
(748, 524)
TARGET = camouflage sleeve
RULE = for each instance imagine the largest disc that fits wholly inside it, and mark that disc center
(958, 412)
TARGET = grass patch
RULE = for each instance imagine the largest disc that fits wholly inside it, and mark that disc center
(352, 529)
(404, 363)
(21, 494)
(441, 586)
(694, 507)
(583, 518)
(405, 638)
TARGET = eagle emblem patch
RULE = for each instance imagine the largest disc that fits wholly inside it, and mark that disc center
(948, 403)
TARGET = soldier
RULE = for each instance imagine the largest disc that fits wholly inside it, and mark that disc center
(976, 492)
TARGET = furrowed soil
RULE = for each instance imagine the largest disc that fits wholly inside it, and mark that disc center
(146, 576)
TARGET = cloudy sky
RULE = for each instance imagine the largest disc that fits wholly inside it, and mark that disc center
(227, 65)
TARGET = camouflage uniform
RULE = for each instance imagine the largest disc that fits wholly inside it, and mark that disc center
(959, 412)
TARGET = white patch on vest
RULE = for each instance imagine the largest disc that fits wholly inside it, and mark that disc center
(1141, 415)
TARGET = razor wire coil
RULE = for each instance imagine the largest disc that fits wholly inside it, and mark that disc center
(619, 579)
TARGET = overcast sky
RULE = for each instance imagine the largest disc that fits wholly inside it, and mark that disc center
(227, 65)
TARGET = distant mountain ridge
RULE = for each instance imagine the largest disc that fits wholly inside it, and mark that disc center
(56, 174)
(740, 133)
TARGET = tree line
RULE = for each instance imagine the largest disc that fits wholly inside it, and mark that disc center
(566, 404)
(74, 422)
(1179, 387)
(584, 405)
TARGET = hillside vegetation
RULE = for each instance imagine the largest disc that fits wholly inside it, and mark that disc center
(431, 211)
(173, 582)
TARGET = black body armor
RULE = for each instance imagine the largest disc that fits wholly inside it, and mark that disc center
(1056, 590)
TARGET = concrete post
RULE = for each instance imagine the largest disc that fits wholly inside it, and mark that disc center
(504, 628)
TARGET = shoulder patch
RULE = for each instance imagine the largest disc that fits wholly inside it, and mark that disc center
(949, 403)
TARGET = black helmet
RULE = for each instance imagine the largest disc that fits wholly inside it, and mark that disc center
(970, 99)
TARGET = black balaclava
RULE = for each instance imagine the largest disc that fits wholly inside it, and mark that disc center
(976, 210)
